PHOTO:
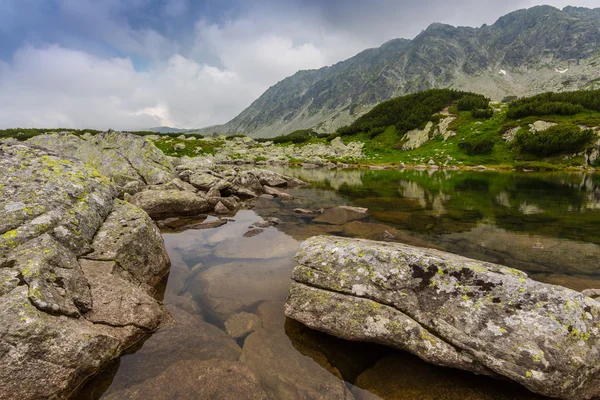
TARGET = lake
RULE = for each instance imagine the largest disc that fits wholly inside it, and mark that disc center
(235, 277)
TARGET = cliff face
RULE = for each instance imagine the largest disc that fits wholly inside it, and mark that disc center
(524, 53)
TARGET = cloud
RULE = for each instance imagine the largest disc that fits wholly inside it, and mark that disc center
(132, 64)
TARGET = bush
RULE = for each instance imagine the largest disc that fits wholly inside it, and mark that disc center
(508, 99)
(559, 139)
(408, 112)
(477, 145)
(567, 103)
(296, 137)
(482, 113)
(471, 102)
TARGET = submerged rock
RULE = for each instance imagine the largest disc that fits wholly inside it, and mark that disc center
(197, 379)
(450, 311)
(242, 324)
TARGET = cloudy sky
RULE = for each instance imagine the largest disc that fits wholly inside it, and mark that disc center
(131, 64)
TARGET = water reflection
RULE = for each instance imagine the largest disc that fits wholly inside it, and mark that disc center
(543, 223)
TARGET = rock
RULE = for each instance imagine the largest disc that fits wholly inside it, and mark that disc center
(304, 211)
(278, 193)
(338, 144)
(185, 302)
(287, 374)
(185, 337)
(339, 216)
(402, 376)
(361, 210)
(193, 379)
(280, 245)
(221, 209)
(450, 311)
(270, 178)
(169, 203)
(315, 160)
(242, 324)
(178, 146)
(210, 224)
(121, 157)
(253, 232)
(130, 238)
(60, 323)
(593, 293)
(203, 180)
(234, 287)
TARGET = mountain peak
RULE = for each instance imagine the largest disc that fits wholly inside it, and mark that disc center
(523, 53)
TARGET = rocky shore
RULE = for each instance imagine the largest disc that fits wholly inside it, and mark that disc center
(80, 256)
(450, 311)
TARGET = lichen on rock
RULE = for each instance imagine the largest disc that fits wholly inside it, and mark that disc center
(487, 318)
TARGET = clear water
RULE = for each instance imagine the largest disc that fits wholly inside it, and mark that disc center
(544, 224)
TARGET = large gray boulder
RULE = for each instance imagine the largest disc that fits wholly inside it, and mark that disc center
(68, 250)
(122, 157)
(450, 311)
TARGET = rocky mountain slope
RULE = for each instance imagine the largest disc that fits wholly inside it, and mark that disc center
(524, 53)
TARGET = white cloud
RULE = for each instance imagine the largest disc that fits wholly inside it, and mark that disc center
(208, 77)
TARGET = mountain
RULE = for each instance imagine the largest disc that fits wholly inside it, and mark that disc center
(523, 53)
(166, 129)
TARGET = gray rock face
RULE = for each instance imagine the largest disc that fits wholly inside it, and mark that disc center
(450, 311)
(122, 157)
(527, 45)
(67, 251)
(169, 203)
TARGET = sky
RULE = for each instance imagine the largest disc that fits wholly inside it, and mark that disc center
(134, 64)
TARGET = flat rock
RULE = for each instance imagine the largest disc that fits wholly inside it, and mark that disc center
(184, 337)
(287, 374)
(450, 311)
(197, 379)
(170, 203)
(339, 216)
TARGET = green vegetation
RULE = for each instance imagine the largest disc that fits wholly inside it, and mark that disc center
(296, 137)
(477, 130)
(409, 112)
(567, 103)
(563, 138)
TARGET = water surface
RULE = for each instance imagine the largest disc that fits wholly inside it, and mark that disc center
(544, 224)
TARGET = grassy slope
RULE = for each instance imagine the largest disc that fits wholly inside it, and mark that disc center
(382, 148)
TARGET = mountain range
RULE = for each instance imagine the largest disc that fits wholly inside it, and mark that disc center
(523, 53)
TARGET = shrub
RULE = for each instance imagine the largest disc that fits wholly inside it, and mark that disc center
(296, 137)
(508, 99)
(566, 103)
(408, 112)
(559, 139)
(482, 113)
(477, 145)
(471, 102)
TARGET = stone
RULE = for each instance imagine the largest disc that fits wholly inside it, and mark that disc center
(450, 311)
(400, 376)
(338, 144)
(66, 317)
(169, 203)
(278, 193)
(315, 160)
(287, 374)
(242, 324)
(361, 210)
(253, 232)
(280, 245)
(203, 180)
(339, 216)
(179, 146)
(221, 209)
(184, 337)
(237, 286)
(130, 238)
(121, 157)
(197, 379)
